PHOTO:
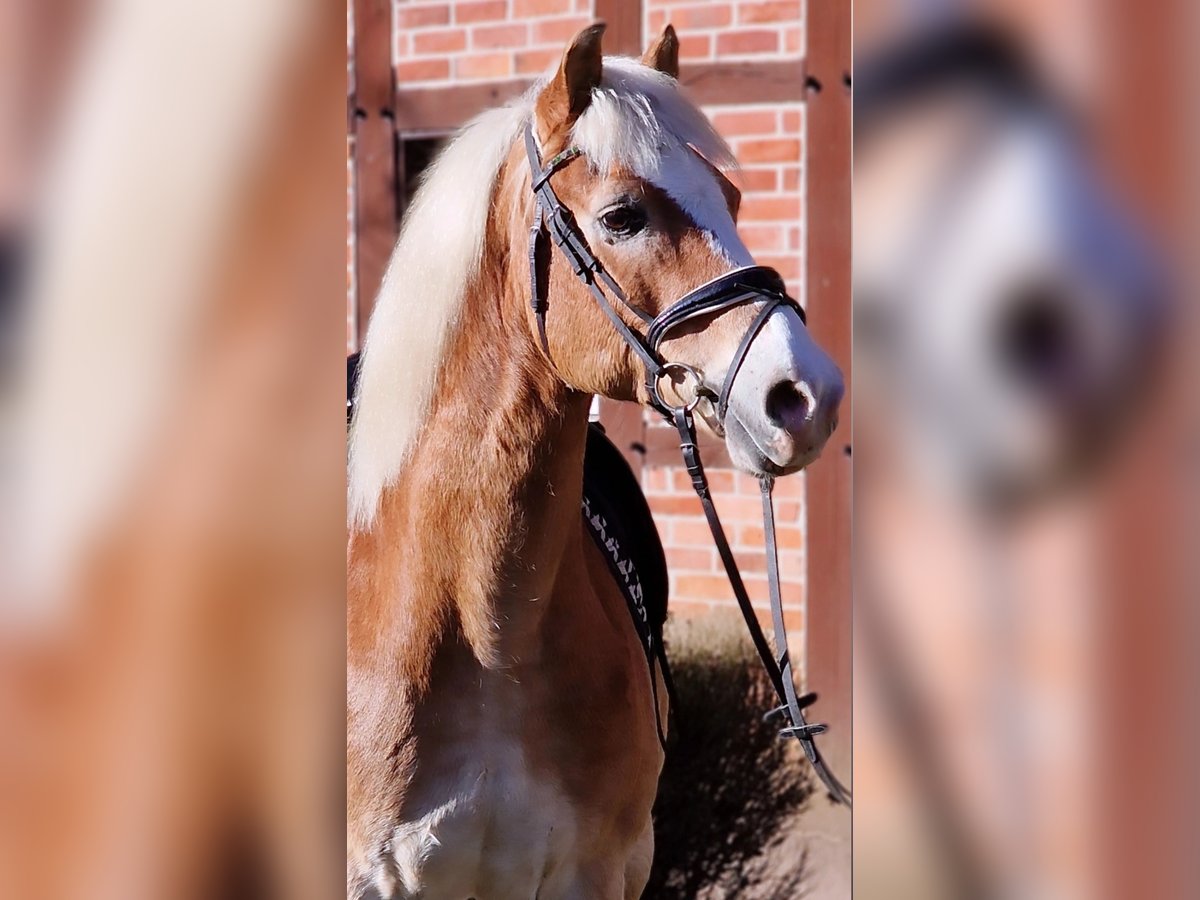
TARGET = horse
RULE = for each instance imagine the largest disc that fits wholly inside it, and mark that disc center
(502, 722)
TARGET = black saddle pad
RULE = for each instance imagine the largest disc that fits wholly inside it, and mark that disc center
(618, 518)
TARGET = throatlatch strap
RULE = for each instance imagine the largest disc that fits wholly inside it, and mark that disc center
(538, 289)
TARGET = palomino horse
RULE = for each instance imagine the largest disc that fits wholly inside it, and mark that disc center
(501, 725)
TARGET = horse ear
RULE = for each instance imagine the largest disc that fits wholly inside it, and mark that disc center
(733, 195)
(570, 90)
(663, 54)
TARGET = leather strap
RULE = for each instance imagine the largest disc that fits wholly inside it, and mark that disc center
(731, 289)
(778, 668)
(793, 706)
(552, 217)
(740, 355)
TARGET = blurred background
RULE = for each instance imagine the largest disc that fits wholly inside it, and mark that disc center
(1024, 603)
(171, 562)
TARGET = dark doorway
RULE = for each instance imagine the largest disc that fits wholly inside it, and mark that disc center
(415, 153)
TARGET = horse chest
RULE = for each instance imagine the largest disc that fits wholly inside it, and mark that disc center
(484, 825)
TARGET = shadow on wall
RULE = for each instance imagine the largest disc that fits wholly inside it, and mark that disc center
(730, 787)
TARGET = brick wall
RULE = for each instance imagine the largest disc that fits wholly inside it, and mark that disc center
(482, 40)
(749, 29)
(438, 44)
(769, 144)
(698, 582)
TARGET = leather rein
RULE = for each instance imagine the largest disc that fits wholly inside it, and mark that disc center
(753, 284)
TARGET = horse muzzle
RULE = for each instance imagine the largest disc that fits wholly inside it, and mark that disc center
(784, 402)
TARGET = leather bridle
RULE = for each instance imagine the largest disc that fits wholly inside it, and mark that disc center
(753, 284)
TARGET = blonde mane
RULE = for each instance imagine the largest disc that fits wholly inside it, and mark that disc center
(637, 118)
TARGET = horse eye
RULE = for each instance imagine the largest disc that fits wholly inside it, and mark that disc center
(624, 220)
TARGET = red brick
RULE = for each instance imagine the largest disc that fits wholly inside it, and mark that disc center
(486, 65)
(792, 565)
(525, 9)
(408, 16)
(770, 208)
(695, 46)
(751, 561)
(787, 266)
(720, 480)
(757, 41)
(403, 45)
(656, 479)
(759, 591)
(757, 180)
(792, 592)
(773, 11)
(791, 178)
(488, 11)
(422, 70)
(754, 121)
(688, 608)
(787, 511)
(702, 587)
(764, 150)
(702, 15)
(791, 121)
(535, 62)
(690, 532)
(760, 238)
(792, 40)
(789, 537)
(431, 42)
(559, 31)
(747, 483)
(656, 22)
(790, 488)
(750, 535)
(739, 509)
(672, 505)
(489, 37)
(692, 558)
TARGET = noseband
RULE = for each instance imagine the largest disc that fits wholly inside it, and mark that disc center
(753, 284)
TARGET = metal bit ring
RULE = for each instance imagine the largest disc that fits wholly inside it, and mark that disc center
(688, 372)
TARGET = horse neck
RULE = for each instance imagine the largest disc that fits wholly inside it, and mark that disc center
(488, 506)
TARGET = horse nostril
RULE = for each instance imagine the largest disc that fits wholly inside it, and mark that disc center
(1037, 338)
(788, 405)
